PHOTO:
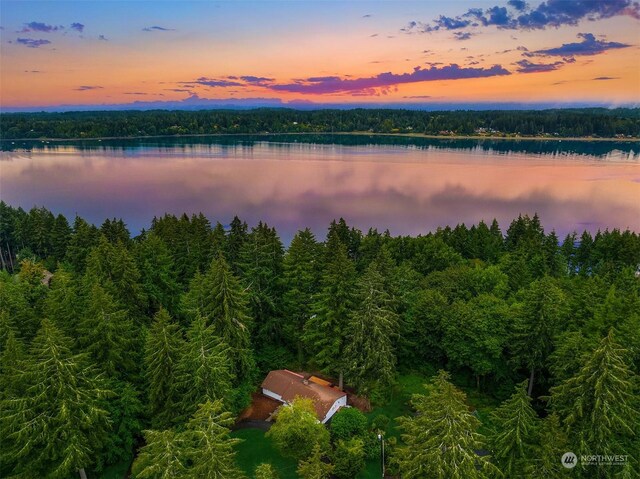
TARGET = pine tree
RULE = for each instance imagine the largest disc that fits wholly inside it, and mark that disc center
(551, 445)
(598, 406)
(540, 318)
(218, 241)
(314, 467)
(369, 356)
(514, 429)
(157, 275)
(14, 303)
(107, 333)
(115, 231)
(266, 471)
(6, 327)
(83, 238)
(161, 358)
(162, 457)
(348, 458)
(204, 449)
(571, 350)
(235, 240)
(11, 362)
(441, 440)
(203, 372)
(63, 305)
(301, 278)
(220, 299)
(125, 411)
(55, 423)
(60, 237)
(30, 282)
(211, 450)
(325, 332)
(260, 265)
(114, 267)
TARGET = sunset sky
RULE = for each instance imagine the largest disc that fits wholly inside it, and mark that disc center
(94, 53)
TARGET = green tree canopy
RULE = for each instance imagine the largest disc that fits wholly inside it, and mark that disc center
(599, 405)
(441, 440)
(297, 430)
(55, 420)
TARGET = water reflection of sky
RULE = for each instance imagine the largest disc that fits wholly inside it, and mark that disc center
(408, 190)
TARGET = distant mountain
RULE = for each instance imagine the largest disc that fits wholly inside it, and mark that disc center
(195, 102)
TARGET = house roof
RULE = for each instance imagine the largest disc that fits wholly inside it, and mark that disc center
(289, 385)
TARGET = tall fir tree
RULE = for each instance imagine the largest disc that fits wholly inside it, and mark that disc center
(203, 372)
(260, 265)
(266, 471)
(15, 307)
(107, 333)
(369, 354)
(60, 237)
(599, 406)
(11, 356)
(314, 466)
(218, 241)
(115, 231)
(126, 414)
(441, 440)
(514, 431)
(162, 457)
(211, 449)
(63, 305)
(221, 300)
(114, 267)
(540, 318)
(551, 444)
(325, 332)
(163, 347)
(83, 238)
(237, 236)
(203, 449)
(157, 273)
(55, 422)
(301, 280)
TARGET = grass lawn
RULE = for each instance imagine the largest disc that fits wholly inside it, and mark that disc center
(398, 405)
(257, 449)
(484, 404)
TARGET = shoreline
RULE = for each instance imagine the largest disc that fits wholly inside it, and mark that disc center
(354, 133)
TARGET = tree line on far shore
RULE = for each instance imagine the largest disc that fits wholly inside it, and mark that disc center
(576, 122)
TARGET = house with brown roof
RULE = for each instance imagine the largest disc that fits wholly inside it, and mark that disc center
(284, 386)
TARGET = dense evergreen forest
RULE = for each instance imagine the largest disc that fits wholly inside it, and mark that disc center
(113, 345)
(585, 122)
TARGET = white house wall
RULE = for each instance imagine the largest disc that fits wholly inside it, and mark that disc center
(273, 395)
(340, 402)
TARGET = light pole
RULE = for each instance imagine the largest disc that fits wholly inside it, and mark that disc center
(381, 438)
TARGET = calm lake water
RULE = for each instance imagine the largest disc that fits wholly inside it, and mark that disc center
(407, 186)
